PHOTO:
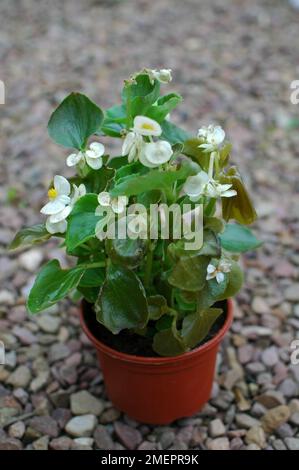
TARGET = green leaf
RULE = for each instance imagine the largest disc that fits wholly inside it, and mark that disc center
(190, 273)
(52, 284)
(82, 221)
(192, 150)
(30, 236)
(224, 154)
(211, 293)
(97, 180)
(164, 322)
(122, 301)
(117, 162)
(165, 104)
(89, 293)
(196, 326)
(238, 239)
(239, 207)
(126, 252)
(185, 304)
(157, 306)
(139, 96)
(129, 169)
(215, 224)
(210, 247)
(154, 179)
(92, 277)
(148, 198)
(74, 121)
(173, 133)
(168, 342)
(235, 281)
(114, 122)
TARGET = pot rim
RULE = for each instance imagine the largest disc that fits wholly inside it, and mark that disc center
(159, 360)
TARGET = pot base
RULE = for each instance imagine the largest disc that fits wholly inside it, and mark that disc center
(159, 390)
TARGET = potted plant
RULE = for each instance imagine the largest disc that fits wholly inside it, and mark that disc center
(155, 257)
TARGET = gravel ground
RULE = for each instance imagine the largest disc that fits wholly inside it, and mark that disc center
(233, 60)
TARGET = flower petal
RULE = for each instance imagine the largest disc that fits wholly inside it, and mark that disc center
(163, 75)
(62, 215)
(53, 207)
(64, 199)
(211, 268)
(62, 185)
(144, 160)
(146, 126)
(97, 148)
(104, 199)
(59, 227)
(73, 159)
(158, 153)
(128, 143)
(94, 163)
(219, 277)
(217, 136)
(82, 189)
(119, 204)
(230, 193)
(224, 266)
(195, 185)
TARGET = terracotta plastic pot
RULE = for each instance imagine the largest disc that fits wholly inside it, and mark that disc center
(159, 390)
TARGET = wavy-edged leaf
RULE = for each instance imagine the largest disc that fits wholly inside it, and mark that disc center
(52, 284)
(154, 179)
(122, 302)
(190, 273)
(168, 342)
(29, 236)
(196, 326)
(174, 134)
(127, 252)
(74, 121)
(82, 221)
(238, 239)
(165, 104)
(157, 306)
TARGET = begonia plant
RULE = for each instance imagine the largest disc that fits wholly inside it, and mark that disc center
(159, 288)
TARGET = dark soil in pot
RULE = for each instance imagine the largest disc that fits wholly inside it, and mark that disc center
(131, 343)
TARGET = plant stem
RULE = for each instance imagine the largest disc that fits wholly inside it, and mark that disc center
(210, 207)
(99, 264)
(149, 264)
(211, 165)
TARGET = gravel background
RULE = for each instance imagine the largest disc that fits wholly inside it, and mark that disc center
(233, 61)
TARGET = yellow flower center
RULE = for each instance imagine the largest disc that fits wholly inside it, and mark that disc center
(52, 193)
(148, 126)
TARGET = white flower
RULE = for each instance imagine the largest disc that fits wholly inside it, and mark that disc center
(132, 145)
(57, 223)
(75, 158)
(218, 272)
(146, 126)
(61, 204)
(214, 189)
(117, 204)
(154, 154)
(202, 185)
(58, 227)
(195, 186)
(93, 156)
(58, 195)
(78, 191)
(213, 137)
(163, 75)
